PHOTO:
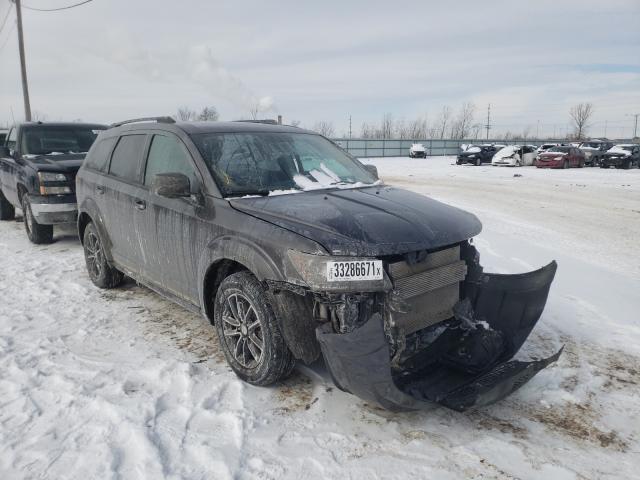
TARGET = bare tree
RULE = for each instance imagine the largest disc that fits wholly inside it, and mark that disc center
(580, 114)
(367, 131)
(442, 122)
(401, 129)
(324, 128)
(417, 129)
(461, 127)
(254, 110)
(208, 114)
(186, 114)
(386, 127)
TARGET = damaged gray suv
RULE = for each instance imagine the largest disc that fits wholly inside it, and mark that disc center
(295, 250)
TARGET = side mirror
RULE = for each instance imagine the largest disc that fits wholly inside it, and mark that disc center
(171, 185)
(372, 169)
(4, 151)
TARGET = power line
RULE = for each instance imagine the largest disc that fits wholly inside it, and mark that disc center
(55, 9)
(13, 26)
(6, 17)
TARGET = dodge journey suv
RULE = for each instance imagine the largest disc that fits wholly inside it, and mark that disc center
(294, 250)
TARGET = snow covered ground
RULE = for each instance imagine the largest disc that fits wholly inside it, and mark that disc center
(123, 384)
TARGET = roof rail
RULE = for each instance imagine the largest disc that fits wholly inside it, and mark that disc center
(267, 121)
(165, 119)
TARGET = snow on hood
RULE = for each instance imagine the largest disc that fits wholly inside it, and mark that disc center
(417, 146)
(473, 149)
(506, 151)
(618, 149)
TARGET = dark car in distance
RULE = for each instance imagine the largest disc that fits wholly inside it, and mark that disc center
(477, 154)
(563, 156)
(38, 165)
(621, 156)
(294, 250)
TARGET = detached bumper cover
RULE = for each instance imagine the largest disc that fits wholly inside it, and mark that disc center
(359, 362)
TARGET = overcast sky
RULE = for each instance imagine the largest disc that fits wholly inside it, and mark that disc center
(325, 60)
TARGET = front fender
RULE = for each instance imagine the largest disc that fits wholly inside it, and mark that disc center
(240, 250)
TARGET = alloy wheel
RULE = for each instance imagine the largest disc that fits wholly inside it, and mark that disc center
(242, 329)
(94, 255)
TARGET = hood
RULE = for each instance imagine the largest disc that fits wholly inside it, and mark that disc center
(552, 154)
(506, 152)
(618, 153)
(55, 163)
(372, 221)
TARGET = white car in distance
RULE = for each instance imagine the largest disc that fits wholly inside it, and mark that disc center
(417, 150)
(515, 156)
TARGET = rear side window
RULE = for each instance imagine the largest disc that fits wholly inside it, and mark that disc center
(98, 157)
(168, 155)
(125, 161)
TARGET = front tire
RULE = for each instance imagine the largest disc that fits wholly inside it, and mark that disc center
(101, 273)
(37, 233)
(478, 162)
(7, 212)
(565, 164)
(248, 331)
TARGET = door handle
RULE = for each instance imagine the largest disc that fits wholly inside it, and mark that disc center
(141, 204)
(100, 189)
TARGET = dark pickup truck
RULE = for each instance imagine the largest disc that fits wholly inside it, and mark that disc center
(38, 166)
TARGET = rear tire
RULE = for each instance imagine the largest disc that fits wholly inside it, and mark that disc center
(627, 165)
(37, 233)
(565, 164)
(7, 212)
(101, 273)
(478, 162)
(248, 331)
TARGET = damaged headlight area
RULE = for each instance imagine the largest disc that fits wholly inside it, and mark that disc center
(446, 332)
(339, 274)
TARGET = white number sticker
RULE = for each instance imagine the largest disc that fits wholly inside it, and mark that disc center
(354, 270)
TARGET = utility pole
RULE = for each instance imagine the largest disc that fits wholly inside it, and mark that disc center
(538, 130)
(349, 126)
(23, 66)
(635, 127)
(488, 125)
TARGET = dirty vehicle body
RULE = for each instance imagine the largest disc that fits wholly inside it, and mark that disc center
(417, 150)
(621, 156)
(38, 165)
(293, 250)
(594, 151)
(515, 156)
(477, 154)
(564, 156)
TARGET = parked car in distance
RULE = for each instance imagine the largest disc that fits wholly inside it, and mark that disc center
(477, 154)
(563, 156)
(594, 150)
(544, 147)
(293, 249)
(515, 156)
(417, 150)
(624, 156)
(38, 165)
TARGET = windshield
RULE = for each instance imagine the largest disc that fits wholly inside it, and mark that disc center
(559, 149)
(271, 163)
(58, 140)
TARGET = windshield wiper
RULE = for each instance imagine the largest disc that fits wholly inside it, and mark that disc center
(239, 193)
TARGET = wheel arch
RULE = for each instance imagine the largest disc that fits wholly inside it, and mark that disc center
(225, 256)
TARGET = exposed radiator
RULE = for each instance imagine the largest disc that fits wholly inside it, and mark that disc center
(431, 287)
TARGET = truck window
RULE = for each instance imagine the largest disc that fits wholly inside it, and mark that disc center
(125, 161)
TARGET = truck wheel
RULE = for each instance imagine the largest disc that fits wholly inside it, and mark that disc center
(248, 331)
(37, 233)
(7, 212)
(101, 273)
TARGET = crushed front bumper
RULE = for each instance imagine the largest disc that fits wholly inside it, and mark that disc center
(359, 361)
